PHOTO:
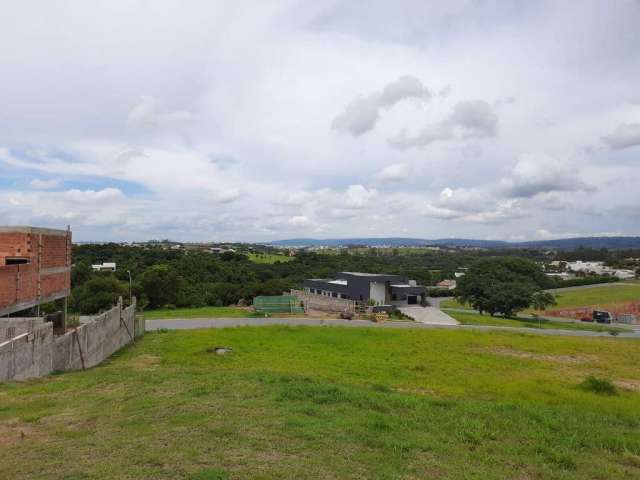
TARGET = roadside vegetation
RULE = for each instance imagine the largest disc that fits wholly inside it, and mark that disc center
(302, 403)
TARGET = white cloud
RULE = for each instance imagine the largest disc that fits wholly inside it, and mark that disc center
(361, 115)
(396, 172)
(468, 119)
(475, 118)
(151, 113)
(39, 184)
(358, 196)
(358, 117)
(625, 136)
(534, 174)
(203, 146)
(405, 87)
(300, 221)
(426, 136)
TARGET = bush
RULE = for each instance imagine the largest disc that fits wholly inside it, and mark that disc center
(601, 386)
(440, 292)
(590, 280)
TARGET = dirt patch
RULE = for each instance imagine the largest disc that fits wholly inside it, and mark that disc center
(509, 352)
(15, 431)
(628, 384)
(144, 362)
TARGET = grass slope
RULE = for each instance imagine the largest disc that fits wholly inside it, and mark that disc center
(597, 296)
(203, 312)
(299, 403)
(578, 297)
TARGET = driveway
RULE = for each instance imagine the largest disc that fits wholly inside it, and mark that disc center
(428, 315)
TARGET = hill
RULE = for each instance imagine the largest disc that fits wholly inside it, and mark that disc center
(560, 244)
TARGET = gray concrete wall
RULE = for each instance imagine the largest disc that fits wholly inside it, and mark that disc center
(322, 303)
(28, 355)
(12, 327)
(38, 352)
(91, 343)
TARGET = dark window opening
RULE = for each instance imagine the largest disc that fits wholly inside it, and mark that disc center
(16, 261)
(334, 294)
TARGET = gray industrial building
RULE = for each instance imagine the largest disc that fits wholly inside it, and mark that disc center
(362, 287)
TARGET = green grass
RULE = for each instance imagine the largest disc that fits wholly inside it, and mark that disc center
(301, 403)
(472, 318)
(453, 303)
(269, 258)
(614, 293)
(203, 312)
(597, 296)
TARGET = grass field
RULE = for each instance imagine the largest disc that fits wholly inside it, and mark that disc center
(269, 258)
(472, 318)
(584, 296)
(331, 403)
(598, 295)
(203, 312)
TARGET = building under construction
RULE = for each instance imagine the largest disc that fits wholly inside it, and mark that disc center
(35, 267)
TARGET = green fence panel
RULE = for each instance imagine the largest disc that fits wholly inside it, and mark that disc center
(277, 304)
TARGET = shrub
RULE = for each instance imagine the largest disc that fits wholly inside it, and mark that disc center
(601, 386)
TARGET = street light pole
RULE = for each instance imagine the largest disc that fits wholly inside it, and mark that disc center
(130, 289)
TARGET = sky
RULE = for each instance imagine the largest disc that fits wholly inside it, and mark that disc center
(264, 120)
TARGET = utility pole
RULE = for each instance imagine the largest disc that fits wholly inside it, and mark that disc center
(130, 288)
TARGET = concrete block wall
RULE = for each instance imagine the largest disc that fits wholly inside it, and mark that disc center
(94, 341)
(324, 304)
(38, 352)
(12, 327)
(28, 355)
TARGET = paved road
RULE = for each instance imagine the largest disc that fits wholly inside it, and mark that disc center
(429, 315)
(191, 324)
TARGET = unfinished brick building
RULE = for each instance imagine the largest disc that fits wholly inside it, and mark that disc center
(35, 267)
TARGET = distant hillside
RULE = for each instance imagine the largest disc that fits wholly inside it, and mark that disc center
(614, 243)
(561, 244)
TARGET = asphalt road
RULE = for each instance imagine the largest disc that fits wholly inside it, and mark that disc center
(192, 324)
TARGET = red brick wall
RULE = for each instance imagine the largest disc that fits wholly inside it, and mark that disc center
(27, 283)
(8, 294)
(15, 244)
(19, 283)
(54, 251)
(56, 282)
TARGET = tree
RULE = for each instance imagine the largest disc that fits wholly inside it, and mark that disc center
(98, 294)
(161, 286)
(541, 300)
(80, 273)
(503, 285)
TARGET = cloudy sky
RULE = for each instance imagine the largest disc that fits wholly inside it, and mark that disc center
(132, 120)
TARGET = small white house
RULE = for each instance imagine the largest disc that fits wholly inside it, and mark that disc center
(104, 267)
(448, 284)
(625, 274)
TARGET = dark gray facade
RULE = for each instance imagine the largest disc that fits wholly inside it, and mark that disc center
(363, 287)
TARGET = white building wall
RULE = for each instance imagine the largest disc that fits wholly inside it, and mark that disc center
(377, 292)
